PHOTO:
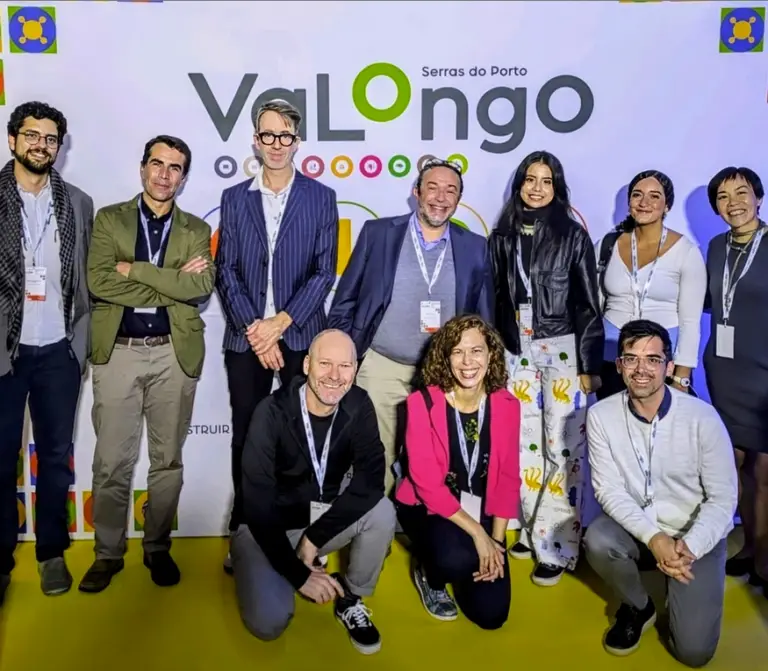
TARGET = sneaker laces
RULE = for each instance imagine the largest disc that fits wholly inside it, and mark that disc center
(441, 595)
(358, 615)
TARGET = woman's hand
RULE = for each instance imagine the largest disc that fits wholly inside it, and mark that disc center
(491, 556)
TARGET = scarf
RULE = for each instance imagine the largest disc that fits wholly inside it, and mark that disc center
(12, 253)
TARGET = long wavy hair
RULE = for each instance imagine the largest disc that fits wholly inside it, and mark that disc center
(511, 216)
(436, 369)
(629, 224)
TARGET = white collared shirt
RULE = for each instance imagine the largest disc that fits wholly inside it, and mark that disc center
(274, 208)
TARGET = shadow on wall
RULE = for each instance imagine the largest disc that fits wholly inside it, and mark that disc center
(704, 225)
(621, 205)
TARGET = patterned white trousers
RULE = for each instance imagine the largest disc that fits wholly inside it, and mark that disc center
(553, 447)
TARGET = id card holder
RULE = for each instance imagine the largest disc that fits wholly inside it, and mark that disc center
(145, 311)
(472, 505)
(317, 510)
(429, 316)
(724, 341)
(34, 283)
(525, 319)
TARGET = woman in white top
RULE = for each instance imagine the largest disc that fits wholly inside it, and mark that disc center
(651, 272)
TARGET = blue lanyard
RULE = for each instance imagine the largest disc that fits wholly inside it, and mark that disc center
(154, 258)
(28, 244)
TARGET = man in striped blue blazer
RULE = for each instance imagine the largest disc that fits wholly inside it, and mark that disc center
(407, 276)
(278, 243)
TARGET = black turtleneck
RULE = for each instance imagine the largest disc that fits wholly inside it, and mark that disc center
(537, 217)
(140, 325)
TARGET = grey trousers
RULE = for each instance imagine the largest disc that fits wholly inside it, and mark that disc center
(695, 610)
(138, 382)
(266, 599)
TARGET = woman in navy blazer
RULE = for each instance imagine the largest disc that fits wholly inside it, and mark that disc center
(463, 474)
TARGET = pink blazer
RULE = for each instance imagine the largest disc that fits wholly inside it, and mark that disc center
(426, 444)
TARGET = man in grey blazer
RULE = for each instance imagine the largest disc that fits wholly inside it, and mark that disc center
(45, 227)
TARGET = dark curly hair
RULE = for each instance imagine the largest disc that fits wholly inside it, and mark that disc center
(39, 111)
(436, 369)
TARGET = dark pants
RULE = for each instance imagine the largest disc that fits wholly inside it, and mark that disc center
(249, 383)
(50, 377)
(448, 556)
(612, 383)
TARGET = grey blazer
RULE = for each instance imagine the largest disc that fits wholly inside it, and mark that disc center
(80, 328)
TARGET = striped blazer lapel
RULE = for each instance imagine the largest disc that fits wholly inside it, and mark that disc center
(292, 207)
(256, 209)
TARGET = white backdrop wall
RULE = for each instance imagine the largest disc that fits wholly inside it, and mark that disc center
(653, 85)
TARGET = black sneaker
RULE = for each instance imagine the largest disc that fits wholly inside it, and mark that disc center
(162, 568)
(5, 580)
(738, 567)
(356, 618)
(519, 551)
(623, 638)
(547, 575)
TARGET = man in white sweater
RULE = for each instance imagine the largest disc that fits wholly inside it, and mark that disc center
(663, 471)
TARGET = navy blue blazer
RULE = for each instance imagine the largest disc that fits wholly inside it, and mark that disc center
(365, 289)
(304, 264)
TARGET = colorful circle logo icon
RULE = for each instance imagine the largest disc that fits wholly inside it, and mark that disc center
(313, 166)
(370, 166)
(399, 165)
(342, 166)
(32, 30)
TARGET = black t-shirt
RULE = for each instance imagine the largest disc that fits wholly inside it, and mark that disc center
(320, 427)
(526, 247)
(457, 475)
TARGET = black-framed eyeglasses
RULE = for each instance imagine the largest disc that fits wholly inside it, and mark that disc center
(33, 137)
(631, 361)
(267, 138)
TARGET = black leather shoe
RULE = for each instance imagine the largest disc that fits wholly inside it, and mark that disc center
(99, 576)
(162, 568)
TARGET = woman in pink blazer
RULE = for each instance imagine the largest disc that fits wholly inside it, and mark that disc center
(462, 475)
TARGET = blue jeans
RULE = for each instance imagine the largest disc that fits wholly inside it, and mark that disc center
(49, 377)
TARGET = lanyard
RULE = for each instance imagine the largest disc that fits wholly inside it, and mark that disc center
(319, 465)
(645, 464)
(28, 244)
(154, 258)
(470, 466)
(729, 289)
(523, 275)
(422, 264)
(638, 294)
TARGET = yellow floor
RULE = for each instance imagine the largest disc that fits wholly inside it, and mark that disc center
(194, 626)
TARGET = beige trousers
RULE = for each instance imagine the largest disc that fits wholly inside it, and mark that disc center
(138, 382)
(388, 383)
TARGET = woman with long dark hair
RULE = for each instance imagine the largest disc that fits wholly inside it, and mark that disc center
(736, 359)
(648, 271)
(548, 314)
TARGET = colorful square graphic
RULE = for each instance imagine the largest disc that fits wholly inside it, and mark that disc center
(19, 463)
(21, 505)
(33, 463)
(345, 245)
(139, 507)
(32, 30)
(88, 512)
(742, 30)
(71, 512)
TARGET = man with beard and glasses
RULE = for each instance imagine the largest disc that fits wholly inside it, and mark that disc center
(149, 270)
(663, 471)
(407, 276)
(297, 505)
(45, 224)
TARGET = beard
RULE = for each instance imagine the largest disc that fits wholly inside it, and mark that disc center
(329, 396)
(34, 165)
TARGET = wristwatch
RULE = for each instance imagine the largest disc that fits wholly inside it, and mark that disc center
(682, 381)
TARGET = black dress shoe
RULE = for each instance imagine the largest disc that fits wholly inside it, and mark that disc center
(162, 568)
(99, 576)
(737, 567)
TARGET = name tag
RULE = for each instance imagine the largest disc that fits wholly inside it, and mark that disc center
(317, 510)
(472, 505)
(145, 311)
(525, 319)
(429, 316)
(724, 341)
(34, 284)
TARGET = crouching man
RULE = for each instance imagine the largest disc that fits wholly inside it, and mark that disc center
(302, 441)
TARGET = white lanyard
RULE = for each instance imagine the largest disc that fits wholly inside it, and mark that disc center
(638, 294)
(729, 290)
(154, 258)
(28, 243)
(320, 465)
(523, 275)
(645, 464)
(470, 466)
(422, 264)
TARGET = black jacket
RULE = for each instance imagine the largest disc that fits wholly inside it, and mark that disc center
(279, 482)
(565, 292)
